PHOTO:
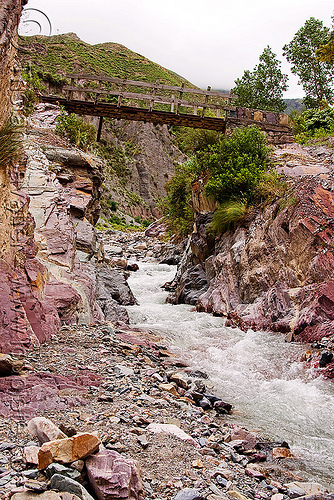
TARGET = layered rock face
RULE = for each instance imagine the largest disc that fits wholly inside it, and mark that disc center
(149, 162)
(10, 11)
(48, 270)
(276, 271)
(17, 246)
(43, 282)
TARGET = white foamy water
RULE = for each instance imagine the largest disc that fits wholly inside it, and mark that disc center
(259, 373)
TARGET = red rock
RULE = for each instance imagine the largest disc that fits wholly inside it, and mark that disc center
(113, 476)
(66, 300)
(25, 320)
(248, 438)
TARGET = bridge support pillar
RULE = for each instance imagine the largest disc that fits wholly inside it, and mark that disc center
(99, 129)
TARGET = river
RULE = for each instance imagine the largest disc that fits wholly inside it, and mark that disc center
(271, 390)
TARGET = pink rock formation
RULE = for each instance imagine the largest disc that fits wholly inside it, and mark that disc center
(113, 476)
(26, 396)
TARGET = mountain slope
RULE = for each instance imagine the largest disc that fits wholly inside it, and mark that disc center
(64, 54)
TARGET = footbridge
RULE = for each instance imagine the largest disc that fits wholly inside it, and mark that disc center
(163, 104)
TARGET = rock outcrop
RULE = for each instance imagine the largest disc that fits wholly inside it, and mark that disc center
(137, 179)
(275, 271)
(10, 11)
(49, 245)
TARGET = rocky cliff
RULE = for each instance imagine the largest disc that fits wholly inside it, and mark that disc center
(275, 271)
(49, 201)
(10, 12)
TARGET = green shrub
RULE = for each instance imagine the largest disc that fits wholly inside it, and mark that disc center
(236, 165)
(29, 101)
(176, 205)
(313, 123)
(111, 204)
(78, 132)
(227, 216)
(10, 143)
(115, 219)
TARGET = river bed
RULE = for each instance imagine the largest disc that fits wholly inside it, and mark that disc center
(271, 390)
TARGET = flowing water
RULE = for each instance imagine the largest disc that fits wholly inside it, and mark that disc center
(271, 390)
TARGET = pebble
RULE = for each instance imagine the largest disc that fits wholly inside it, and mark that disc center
(188, 494)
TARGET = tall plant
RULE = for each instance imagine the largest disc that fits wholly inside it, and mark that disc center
(236, 165)
(263, 87)
(316, 76)
(10, 143)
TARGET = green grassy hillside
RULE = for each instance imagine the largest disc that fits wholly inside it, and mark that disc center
(51, 58)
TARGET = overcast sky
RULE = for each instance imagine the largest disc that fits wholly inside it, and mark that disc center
(209, 42)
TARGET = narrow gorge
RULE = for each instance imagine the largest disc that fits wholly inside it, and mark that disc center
(140, 364)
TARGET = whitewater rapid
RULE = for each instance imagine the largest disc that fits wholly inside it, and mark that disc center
(272, 391)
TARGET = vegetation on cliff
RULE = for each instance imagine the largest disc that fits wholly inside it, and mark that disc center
(235, 169)
(235, 165)
(10, 143)
(76, 130)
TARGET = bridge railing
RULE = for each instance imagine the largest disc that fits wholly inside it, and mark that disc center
(168, 98)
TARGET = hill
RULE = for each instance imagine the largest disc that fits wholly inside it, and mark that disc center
(51, 58)
(294, 104)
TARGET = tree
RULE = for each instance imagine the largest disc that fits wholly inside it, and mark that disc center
(263, 87)
(315, 76)
(326, 52)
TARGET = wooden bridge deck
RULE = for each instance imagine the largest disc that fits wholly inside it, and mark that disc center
(160, 104)
(107, 110)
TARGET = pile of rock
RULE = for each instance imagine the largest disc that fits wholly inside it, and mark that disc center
(66, 464)
(193, 390)
(105, 388)
(123, 249)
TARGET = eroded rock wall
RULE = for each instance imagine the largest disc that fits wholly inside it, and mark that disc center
(147, 164)
(10, 12)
